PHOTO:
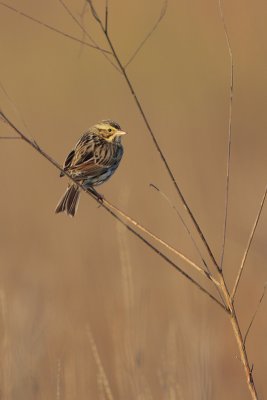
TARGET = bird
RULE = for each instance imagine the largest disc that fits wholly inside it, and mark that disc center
(92, 161)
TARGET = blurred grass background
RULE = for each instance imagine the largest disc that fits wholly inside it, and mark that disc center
(157, 336)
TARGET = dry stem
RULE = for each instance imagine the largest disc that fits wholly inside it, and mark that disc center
(231, 94)
(190, 235)
(239, 338)
(52, 28)
(229, 298)
(254, 315)
(160, 18)
(241, 268)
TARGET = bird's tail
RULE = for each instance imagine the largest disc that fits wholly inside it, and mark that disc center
(69, 201)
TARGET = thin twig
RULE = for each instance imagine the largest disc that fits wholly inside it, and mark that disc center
(231, 93)
(156, 238)
(10, 137)
(85, 32)
(81, 15)
(11, 102)
(67, 9)
(52, 28)
(183, 222)
(160, 18)
(255, 313)
(243, 355)
(189, 233)
(241, 268)
(115, 212)
(239, 338)
(164, 257)
(229, 299)
(95, 14)
(106, 17)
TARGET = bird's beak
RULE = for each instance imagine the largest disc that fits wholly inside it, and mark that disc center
(120, 133)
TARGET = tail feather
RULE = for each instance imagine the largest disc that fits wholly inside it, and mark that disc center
(69, 201)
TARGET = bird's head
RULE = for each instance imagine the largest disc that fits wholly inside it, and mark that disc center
(109, 130)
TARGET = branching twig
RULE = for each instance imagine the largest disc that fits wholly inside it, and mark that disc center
(243, 355)
(52, 28)
(231, 92)
(255, 313)
(241, 268)
(160, 18)
(115, 212)
(67, 9)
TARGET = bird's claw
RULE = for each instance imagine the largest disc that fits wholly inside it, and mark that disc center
(99, 197)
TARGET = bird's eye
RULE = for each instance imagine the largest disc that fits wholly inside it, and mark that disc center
(110, 130)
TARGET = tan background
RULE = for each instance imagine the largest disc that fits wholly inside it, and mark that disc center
(157, 336)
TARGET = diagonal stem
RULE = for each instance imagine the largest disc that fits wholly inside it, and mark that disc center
(239, 338)
(160, 18)
(207, 274)
(106, 17)
(251, 236)
(163, 158)
(10, 137)
(243, 355)
(183, 222)
(231, 93)
(180, 194)
(189, 233)
(51, 27)
(85, 32)
(254, 315)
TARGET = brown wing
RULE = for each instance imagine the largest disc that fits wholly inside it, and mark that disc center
(88, 160)
(91, 157)
(78, 155)
(68, 161)
(87, 169)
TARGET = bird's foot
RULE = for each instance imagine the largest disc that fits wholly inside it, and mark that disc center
(98, 196)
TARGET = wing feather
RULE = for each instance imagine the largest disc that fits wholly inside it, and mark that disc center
(92, 157)
(67, 162)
